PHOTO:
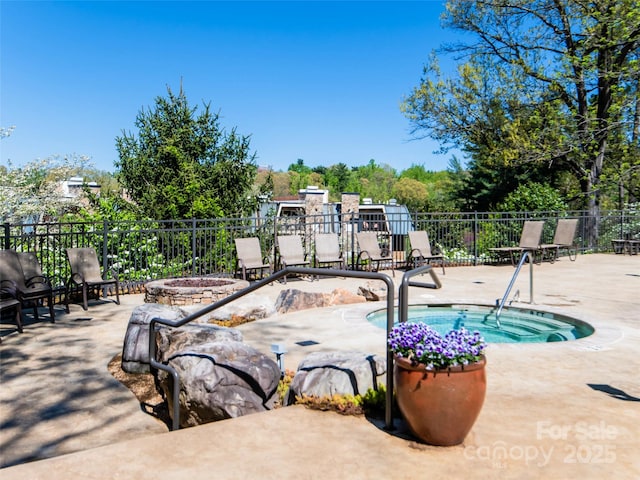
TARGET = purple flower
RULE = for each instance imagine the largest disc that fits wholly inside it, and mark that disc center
(421, 343)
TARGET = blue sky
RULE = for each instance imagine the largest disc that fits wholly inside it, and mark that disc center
(321, 81)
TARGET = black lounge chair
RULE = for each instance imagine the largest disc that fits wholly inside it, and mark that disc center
(85, 274)
(9, 301)
(30, 292)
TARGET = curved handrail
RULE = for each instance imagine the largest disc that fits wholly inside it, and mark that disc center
(403, 297)
(153, 363)
(526, 254)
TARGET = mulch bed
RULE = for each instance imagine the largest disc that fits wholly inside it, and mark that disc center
(142, 385)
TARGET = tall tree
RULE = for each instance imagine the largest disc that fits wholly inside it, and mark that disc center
(183, 164)
(558, 77)
(338, 178)
(375, 181)
(412, 193)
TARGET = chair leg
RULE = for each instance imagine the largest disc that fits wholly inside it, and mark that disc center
(67, 292)
(19, 317)
(53, 318)
(85, 294)
(35, 310)
(117, 294)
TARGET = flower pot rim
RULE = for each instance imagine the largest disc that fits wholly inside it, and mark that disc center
(419, 367)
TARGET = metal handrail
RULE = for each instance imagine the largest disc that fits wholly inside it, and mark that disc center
(526, 254)
(403, 296)
(253, 287)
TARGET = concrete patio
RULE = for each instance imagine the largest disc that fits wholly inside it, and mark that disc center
(553, 410)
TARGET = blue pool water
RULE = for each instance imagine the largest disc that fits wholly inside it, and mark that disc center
(517, 325)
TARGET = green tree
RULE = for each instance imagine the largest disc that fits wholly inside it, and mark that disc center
(375, 181)
(299, 167)
(338, 179)
(412, 193)
(184, 165)
(547, 81)
(440, 187)
(533, 197)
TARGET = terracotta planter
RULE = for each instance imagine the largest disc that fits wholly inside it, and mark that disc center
(440, 406)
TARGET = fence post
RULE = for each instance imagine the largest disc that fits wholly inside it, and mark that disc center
(475, 238)
(193, 247)
(105, 252)
(7, 233)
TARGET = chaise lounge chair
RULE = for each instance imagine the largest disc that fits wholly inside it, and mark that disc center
(371, 252)
(9, 301)
(290, 252)
(529, 241)
(562, 239)
(85, 274)
(249, 257)
(29, 291)
(328, 250)
(421, 250)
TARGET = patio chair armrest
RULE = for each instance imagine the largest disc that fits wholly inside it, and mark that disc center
(37, 279)
(414, 250)
(8, 288)
(76, 278)
(362, 253)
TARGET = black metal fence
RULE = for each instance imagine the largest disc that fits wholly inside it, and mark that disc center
(146, 250)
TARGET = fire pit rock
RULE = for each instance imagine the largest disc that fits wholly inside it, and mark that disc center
(191, 290)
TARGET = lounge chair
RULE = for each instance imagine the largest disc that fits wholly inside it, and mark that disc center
(421, 249)
(562, 239)
(529, 241)
(290, 252)
(626, 246)
(371, 252)
(30, 292)
(9, 301)
(327, 251)
(32, 270)
(249, 257)
(85, 274)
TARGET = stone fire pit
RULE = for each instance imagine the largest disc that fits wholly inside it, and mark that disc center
(191, 290)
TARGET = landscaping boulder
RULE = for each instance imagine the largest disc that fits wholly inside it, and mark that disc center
(344, 373)
(373, 291)
(220, 380)
(292, 300)
(135, 351)
(173, 340)
(341, 296)
(245, 309)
